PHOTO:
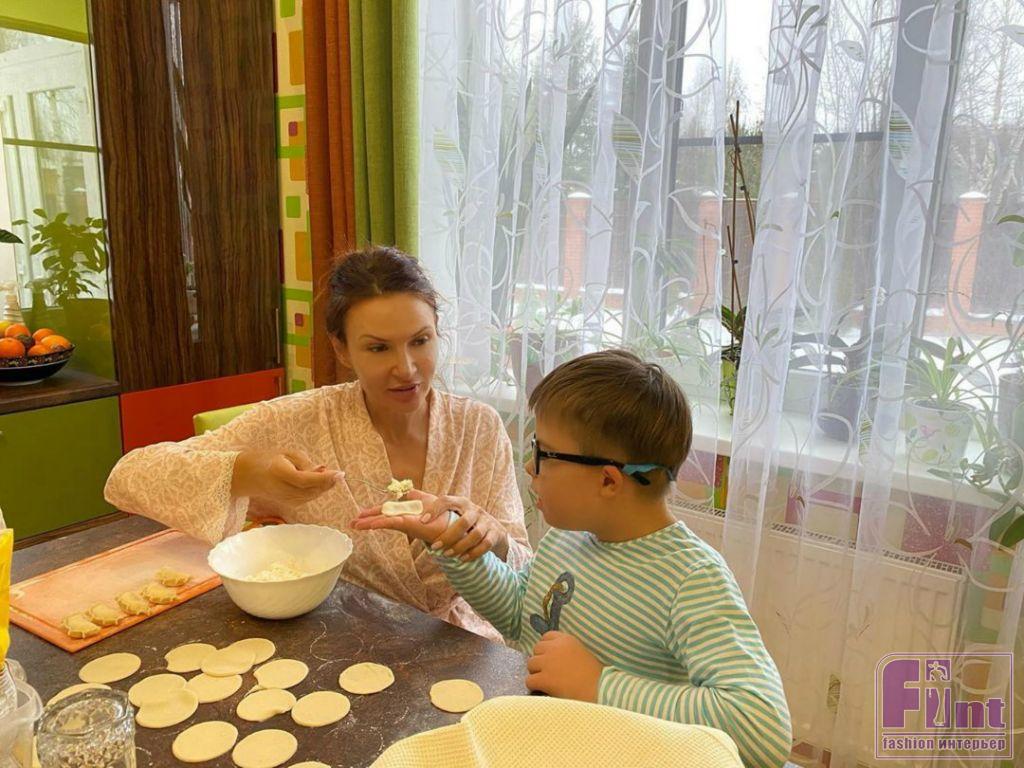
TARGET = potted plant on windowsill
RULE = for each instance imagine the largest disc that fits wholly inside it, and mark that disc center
(681, 349)
(566, 322)
(849, 368)
(941, 408)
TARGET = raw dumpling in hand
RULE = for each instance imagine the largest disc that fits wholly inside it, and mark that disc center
(159, 594)
(172, 578)
(104, 615)
(133, 603)
(78, 626)
(398, 488)
(399, 508)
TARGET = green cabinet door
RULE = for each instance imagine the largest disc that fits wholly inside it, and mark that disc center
(54, 463)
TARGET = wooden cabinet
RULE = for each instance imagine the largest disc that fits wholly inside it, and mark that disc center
(55, 463)
(186, 109)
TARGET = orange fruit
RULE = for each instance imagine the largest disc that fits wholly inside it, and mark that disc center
(16, 330)
(42, 333)
(55, 343)
(38, 350)
(11, 348)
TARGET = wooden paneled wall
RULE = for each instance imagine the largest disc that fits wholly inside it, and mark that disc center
(190, 165)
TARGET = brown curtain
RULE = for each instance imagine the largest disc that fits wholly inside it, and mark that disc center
(329, 160)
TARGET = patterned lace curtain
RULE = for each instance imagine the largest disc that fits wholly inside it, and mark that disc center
(571, 171)
(874, 483)
(867, 489)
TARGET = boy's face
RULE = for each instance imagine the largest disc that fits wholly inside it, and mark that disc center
(573, 497)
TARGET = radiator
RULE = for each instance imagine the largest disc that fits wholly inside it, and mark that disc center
(915, 607)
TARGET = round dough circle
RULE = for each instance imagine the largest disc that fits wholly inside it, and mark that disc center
(309, 764)
(110, 668)
(176, 708)
(261, 648)
(210, 689)
(265, 749)
(263, 705)
(188, 657)
(73, 689)
(456, 695)
(152, 689)
(204, 741)
(228, 661)
(315, 710)
(366, 677)
(281, 673)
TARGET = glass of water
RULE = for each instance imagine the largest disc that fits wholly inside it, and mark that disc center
(90, 729)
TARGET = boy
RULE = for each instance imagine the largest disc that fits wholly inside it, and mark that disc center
(621, 605)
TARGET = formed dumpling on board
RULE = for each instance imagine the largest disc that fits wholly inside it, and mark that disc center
(104, 615)
(133, 603)
(78, 626)
(172, 578)
(159, 594)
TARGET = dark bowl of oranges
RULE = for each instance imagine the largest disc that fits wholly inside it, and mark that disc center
(27, 356)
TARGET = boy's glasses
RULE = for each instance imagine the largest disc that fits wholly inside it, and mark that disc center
(634, 471)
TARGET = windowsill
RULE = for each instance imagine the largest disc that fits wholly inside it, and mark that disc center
(831, 458)
(798, 437)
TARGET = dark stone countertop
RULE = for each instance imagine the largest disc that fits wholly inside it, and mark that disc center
(353, 625)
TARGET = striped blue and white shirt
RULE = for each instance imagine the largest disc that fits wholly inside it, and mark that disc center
(662, 613)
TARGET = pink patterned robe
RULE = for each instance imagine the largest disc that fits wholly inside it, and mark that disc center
(187, 485)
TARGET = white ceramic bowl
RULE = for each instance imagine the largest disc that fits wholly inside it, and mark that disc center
(316, 550)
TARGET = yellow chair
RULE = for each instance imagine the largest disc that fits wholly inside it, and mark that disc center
(209, 420)
(530, 731)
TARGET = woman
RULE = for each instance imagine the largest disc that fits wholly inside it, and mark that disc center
(321, 456)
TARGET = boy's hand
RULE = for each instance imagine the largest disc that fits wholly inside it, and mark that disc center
(561, 666)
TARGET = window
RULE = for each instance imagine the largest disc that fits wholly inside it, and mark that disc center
(50, 157)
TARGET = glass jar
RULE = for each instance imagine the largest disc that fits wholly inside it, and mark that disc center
(90, 729)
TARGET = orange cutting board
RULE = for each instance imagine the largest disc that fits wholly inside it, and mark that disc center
(39, 604)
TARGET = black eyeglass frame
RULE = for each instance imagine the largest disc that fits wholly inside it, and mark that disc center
(634, 471)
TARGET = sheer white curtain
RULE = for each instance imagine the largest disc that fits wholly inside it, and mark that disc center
(884, 298)
(571, 184)
(573, 165)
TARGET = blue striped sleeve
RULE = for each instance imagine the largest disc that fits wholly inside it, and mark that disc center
(733, 683)
(492, 587)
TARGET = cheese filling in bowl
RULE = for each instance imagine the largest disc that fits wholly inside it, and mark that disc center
(280, 571)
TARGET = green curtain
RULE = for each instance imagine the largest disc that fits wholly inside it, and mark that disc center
(385, 118)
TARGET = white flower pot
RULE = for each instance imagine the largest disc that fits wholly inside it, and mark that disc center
(937, 435)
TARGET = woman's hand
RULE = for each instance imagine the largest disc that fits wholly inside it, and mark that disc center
(287, 477)
(470, 534)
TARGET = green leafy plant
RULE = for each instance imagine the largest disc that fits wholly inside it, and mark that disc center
(9, 237)
(997, 473)
(71, 252)
(682, 347)
(941, 374)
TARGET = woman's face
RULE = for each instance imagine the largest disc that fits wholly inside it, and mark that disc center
(391, 344)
